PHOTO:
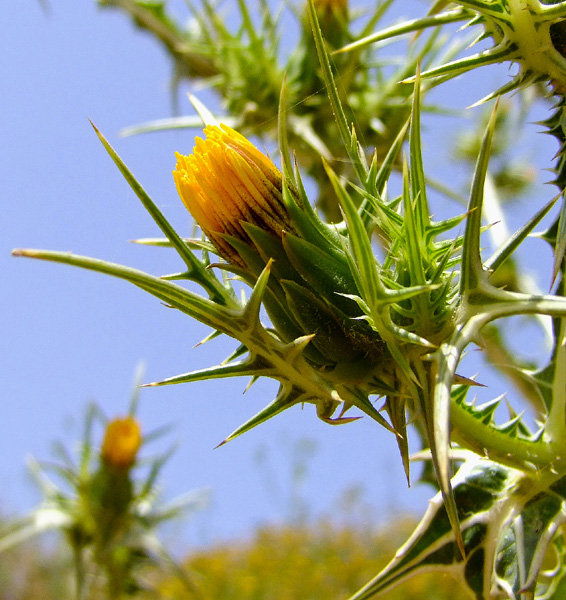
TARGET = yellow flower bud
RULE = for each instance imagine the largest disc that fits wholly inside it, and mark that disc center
(330, 5)
(227, 181)
(122, 441)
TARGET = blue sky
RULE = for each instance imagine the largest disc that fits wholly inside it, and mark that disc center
(70, 337)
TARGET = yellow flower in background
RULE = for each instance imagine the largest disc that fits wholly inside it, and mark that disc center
(330, 5)
(227, 181)
(122, 441)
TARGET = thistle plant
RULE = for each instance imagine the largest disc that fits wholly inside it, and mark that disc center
(372, 305)
(106, 510)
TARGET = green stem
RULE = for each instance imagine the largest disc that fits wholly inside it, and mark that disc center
(472, 433)
(513, 452)
(79, 569)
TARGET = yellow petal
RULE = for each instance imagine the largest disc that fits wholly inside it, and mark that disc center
(226, 182)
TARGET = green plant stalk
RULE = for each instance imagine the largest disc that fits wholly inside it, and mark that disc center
(514, 452)
(518, 453)
(81, 592)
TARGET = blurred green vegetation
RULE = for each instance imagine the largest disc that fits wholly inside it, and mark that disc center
(315, 562)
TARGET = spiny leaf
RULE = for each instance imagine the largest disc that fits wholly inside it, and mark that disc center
(205, 115)
(200, 308)
(365, 272)
(503, 253)
(494, 504)
(287, 397)
(282, 134)
(473, 274)
(462, 65)
(417, 174)
(377, 179)
(203, 276)
(414, 25)
(253, 306)
(248, 367)
(341, 121)
(185, 122)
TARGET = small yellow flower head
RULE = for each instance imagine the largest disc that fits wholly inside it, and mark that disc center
(330, 5)
(330, 10)
(227, 181)
(122, 441)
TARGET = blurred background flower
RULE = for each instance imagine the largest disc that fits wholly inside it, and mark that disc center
(107, 510)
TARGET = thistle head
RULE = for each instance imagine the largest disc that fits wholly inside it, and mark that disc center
(227, 182)
(252, 217)
(326, 7)
(122, 440)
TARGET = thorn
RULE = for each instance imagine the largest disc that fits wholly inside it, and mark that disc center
(296, 347)
(339, 420)
(22, 252)
(252, 381)
(467, 380)
(94, 127)
(335, 396)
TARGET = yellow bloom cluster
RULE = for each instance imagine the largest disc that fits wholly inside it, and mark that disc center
(321, 561)
(122, 441)
(227, 181)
